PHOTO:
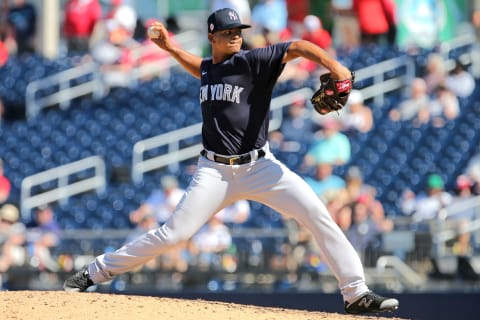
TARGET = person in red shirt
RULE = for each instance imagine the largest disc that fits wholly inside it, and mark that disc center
(5, 185)
(314, 32)
(80, 18)
(3, 54)
(376, 19)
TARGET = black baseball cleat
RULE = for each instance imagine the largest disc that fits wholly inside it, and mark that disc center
(79, 282)
(371, 303)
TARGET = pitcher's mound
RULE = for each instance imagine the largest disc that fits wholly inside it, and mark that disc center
(47, 305)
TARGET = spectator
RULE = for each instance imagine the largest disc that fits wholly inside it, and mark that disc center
(432, 205)
(460, 81)
(330, 145)
(151, 61)
(445, 107)
(346, 33)
(325, 181)
(5, 185)
(435, 72)
(236, 213)
(359, 191)
(43, 234)
(4, 55)
(473, 172)
(114, 51)
(376, 19)
(210, 242)
(8, 45)
(161, 202)
(22, 18)
(357, 117)
(363, 232)
(296, 129)
(297, 11)
(270, 14)
(462, 217)
(80, 19)
(12, 239)
(314, 32)
(415, 107)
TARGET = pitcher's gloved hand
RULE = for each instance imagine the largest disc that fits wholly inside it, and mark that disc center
(333, 94)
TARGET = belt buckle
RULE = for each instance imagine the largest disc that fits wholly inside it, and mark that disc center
(232, 160)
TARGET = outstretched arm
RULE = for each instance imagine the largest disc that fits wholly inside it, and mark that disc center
(308, 50)
(189, 62)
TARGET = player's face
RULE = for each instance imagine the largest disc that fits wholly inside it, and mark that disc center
(230, 39)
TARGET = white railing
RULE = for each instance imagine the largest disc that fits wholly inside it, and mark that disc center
(67, 91)
(64, 187)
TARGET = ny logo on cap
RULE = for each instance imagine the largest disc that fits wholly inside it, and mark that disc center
(232, 15)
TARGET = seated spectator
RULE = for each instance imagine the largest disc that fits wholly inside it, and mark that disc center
(12, 239)
(432, 205)
(415, 107)
(329, 145)
(359, 191)
(80, 19)
(462, 217)
(356, 117)
(236, 213)
(444, 107)
(43, 234)
(211, 240)
(150, 61)
(325, 181)
(363, 232)
(460, 81)
(269, 15)
(5, 185)
(435, 72)
(297, 129)
(161, 202)
(315, 33)
(115, 51)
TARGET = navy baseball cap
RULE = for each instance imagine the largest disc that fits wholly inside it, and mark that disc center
(225, 18)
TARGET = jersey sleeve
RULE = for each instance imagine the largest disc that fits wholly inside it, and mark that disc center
(267, 62)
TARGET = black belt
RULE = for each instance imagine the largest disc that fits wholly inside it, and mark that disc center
(232, 160)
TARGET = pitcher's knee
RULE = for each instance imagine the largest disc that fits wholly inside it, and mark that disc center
(171, 235)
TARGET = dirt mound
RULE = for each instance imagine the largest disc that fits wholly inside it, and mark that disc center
(47, 305)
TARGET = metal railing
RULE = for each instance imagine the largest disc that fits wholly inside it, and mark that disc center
(65, 188)
(67, 90)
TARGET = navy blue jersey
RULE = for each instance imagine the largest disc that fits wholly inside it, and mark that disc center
(235, 98)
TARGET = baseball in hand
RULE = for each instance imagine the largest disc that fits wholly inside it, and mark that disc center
(152, 33)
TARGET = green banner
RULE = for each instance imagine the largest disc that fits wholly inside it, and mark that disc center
(425, 23)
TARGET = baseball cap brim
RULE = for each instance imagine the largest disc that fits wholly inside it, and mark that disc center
(232, 26)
